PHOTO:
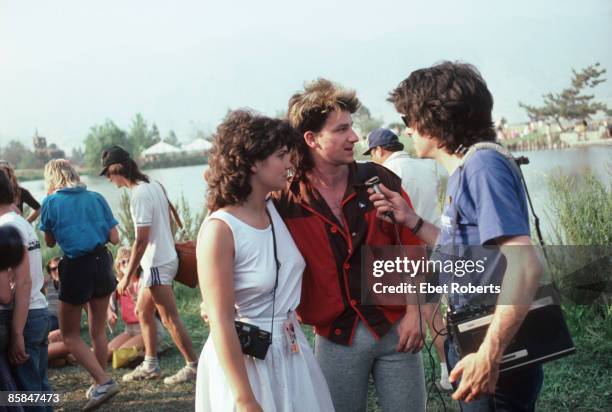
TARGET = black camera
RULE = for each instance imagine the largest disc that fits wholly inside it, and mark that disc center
(254, 341)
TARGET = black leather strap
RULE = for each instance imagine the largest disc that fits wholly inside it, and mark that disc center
(277, 265)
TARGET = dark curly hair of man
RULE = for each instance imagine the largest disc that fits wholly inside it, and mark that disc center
(449, 102)
(243, 138)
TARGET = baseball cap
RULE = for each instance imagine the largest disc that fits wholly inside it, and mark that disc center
(112, 155)
(381, 137)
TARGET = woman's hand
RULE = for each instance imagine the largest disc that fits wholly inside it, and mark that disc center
(111, 317)
(122, 287)
(250, 405)
(17, 353)
(203, 312)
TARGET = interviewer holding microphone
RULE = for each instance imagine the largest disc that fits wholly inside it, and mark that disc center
(447, 109)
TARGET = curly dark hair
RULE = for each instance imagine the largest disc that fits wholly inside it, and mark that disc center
(449, 101)
(308, 111)
(243, 138)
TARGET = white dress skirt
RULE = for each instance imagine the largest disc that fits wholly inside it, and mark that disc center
(285, 380)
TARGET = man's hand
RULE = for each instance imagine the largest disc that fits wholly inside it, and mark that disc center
(123, 285)
(17, 353)
(390, 201)
(478, 372)
(410, 332)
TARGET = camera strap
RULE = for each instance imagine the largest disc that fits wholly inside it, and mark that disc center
(515, 163)
(277, 266)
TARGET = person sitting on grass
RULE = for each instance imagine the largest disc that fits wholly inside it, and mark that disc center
(131, 337)
(59, 354)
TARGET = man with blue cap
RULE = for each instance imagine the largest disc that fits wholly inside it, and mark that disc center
(420, 180)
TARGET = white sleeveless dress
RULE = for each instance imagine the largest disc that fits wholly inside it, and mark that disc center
(283, 381)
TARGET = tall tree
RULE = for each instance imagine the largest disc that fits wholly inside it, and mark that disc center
(15, 152)
(154, 135)
(101, 137)
(139, 135)
(77, 156)
(572, 103)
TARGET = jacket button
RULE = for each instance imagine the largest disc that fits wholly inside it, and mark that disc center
(338, 332)
(333, 229)
(346, 266)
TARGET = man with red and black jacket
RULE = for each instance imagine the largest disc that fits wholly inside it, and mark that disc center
(330, 217)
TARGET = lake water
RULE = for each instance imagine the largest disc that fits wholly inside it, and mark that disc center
(178, 181)
(189, 181)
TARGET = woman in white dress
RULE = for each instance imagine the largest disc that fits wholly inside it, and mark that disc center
(251, 156)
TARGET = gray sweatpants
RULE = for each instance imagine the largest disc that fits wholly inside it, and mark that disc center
(399, 377)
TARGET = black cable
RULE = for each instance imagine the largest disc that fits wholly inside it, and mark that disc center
(442, 332)
(432, 361)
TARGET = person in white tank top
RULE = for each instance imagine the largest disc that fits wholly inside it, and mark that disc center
(237, 248)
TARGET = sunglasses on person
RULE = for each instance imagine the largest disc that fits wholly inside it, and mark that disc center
(52, 268)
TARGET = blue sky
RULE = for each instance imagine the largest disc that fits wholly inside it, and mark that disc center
(67, 65)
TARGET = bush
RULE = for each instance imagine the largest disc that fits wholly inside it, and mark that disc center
(581, 207)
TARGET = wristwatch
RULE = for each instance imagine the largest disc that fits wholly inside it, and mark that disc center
(418, 226)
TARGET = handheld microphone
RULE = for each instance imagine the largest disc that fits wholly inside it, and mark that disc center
(374, 183)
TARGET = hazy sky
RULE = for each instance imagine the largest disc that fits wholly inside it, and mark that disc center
(67, 65)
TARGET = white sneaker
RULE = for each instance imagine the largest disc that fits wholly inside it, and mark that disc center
(90, 391)
(142, 372)
(444, 384)
(186, 374)
(101, 394)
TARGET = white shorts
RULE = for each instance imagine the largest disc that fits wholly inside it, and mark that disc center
(159, 275)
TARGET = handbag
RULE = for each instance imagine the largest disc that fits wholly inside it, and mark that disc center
(187, 273)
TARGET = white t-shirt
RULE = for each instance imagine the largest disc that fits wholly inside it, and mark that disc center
(149, 207)
(31, 241)
(420, 181)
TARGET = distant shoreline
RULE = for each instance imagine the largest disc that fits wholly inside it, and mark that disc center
(27, 175)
